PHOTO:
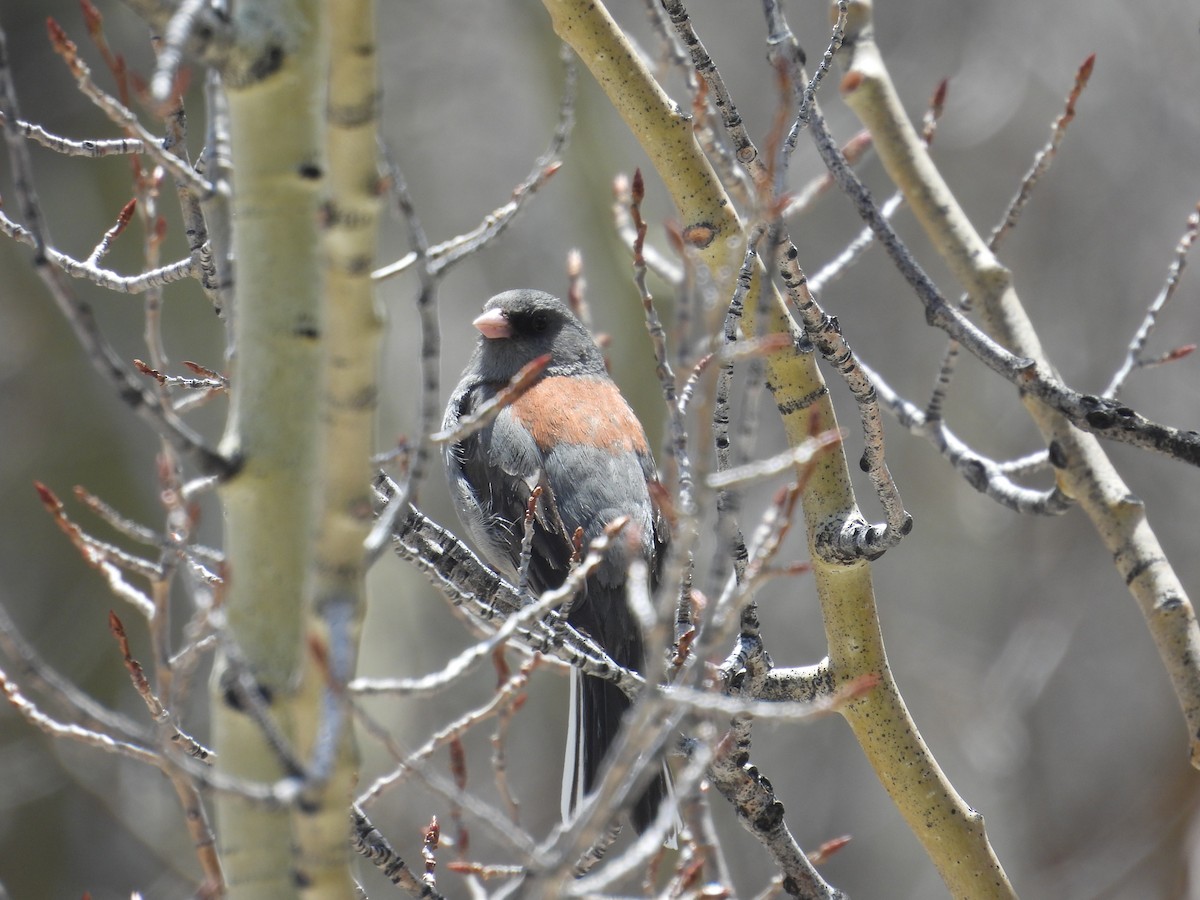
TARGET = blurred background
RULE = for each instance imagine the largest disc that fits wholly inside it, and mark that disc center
(1023, 658)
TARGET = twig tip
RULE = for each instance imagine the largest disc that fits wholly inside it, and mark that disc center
(49, 500)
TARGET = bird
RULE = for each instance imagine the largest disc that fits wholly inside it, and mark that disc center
(573, 435)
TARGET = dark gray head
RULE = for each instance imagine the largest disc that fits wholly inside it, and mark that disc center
(518, 326)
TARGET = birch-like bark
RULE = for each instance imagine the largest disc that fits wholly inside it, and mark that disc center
(351, 339)
(951, 832)
(276, 119)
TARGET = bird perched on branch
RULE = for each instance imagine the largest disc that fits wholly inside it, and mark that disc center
(573, 435)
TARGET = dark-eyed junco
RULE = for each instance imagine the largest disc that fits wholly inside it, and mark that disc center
(573, 434)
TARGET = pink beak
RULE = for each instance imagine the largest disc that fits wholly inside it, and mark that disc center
(493, 324)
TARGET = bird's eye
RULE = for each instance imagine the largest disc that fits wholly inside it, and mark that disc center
(538, 322)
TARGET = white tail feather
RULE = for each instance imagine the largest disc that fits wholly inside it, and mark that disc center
(572, 778)
(571, 795)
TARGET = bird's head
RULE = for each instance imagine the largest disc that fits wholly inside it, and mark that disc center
(518, 326)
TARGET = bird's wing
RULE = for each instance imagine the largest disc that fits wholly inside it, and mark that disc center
(492, 474)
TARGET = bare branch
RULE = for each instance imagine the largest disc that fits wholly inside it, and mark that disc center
(513, 624)
(453, 569)
(105, 558)
(162, 717)
(87, 269)
(761, 813)
(88, 736)
(122, 116)
(112, 234)
(826, 334)
(92, 149)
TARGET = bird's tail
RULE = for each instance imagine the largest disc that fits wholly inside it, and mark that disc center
(597, 706)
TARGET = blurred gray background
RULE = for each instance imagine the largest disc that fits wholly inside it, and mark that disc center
(1024, 660)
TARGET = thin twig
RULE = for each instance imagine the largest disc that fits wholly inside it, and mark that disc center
(712, 140)
(444, 255)
(855, 539)
(105, 278)
(105, 558)
(470, 585)
(686, 504)
(656, 261)
(416, 763)
(729, 501)
(499, 737)
(527, 539)
(648, 843)
(92, 149)
(1133, 355)
(800, 455)
(112, 234)
(1043, 159)
(87, 736)
(743, 147)
(1041, 164)
(776, 710)
(779, 37)
(158, 712)
(518, 385)
(428, 401)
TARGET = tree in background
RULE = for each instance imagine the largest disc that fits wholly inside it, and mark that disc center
(252, 574)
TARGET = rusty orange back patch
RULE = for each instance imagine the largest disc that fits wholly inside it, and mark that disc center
(578, 410)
